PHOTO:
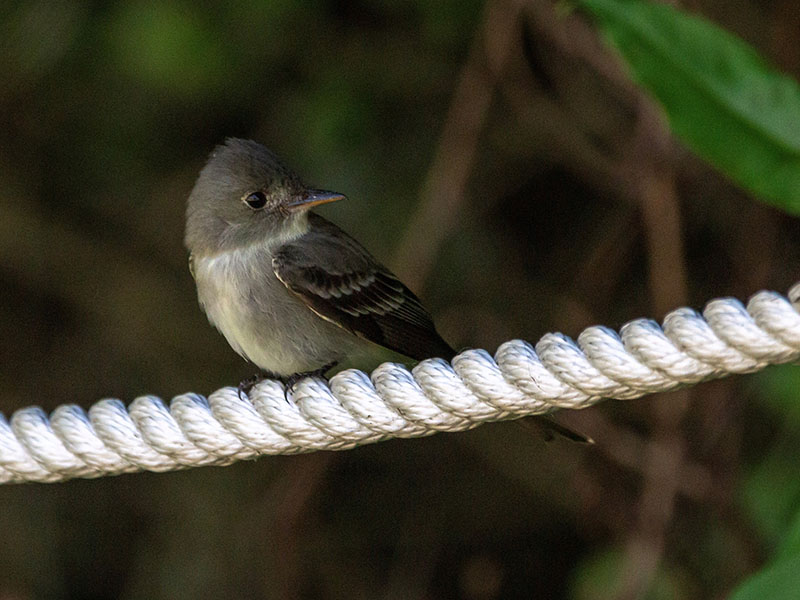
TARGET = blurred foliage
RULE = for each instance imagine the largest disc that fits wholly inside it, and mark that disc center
(599, 576)
(779, 579)
(109, 109)
(720, 96)
(735, 111)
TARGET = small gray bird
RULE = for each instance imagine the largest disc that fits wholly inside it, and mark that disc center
(290, 291)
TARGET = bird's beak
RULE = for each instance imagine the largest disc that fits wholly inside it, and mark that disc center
(313, 198)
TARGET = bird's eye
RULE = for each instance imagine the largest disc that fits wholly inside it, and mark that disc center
(256, 200)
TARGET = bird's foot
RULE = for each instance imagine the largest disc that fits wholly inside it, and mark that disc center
(291, 380)
(246, 385)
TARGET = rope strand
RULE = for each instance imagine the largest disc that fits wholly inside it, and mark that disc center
(353, 409)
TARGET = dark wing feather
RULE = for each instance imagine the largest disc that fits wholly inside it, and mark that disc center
(339, 280)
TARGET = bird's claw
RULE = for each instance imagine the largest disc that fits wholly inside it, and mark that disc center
(291, 380)
(246, 385)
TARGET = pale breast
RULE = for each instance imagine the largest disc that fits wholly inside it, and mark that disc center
(260, 318)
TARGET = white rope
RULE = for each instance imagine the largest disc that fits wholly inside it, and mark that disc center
(353, 409)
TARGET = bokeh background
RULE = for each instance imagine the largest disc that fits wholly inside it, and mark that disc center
(497, 157)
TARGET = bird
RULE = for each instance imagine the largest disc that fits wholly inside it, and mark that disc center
(290, 291)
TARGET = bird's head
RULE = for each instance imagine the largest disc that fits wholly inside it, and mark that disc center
(244, 195)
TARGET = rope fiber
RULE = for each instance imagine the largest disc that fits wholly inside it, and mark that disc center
(354, 409)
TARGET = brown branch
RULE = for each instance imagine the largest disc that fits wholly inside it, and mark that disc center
(302, 481)
(629, 450)
(651, 181)
(444, 190)
(645, 172)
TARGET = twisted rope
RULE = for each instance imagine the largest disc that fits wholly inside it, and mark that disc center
(353, 409)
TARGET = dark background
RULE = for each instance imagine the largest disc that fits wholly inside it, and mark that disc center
(498, 158)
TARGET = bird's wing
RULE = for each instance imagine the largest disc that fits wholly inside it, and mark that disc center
(339, 280)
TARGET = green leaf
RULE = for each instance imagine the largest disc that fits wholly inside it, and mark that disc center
(599, 574)
(720, 97)
(778, 581)
(779, 389)
(770, 495)
(790, 547)
(780, 578)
